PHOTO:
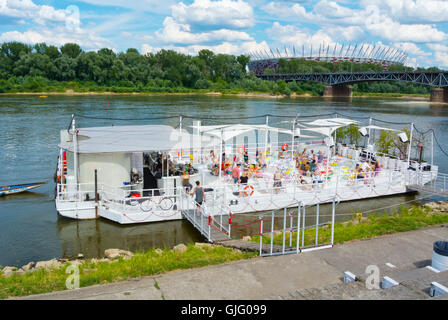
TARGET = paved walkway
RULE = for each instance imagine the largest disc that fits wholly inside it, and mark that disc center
(265, 278)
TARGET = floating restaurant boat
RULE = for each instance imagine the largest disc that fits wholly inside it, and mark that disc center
(133, 173)
(17, 188)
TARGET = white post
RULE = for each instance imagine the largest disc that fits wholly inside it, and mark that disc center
(220, 157)
(368, 137)
(75, 154)
(410, 146)
(333, 214)
(299, 207)
(292, 144)
(266, 138)
(432, 148)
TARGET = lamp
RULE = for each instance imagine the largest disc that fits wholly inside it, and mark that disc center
(403, 137)
(297, 132)
(363, 131)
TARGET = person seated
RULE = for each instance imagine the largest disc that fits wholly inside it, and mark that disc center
(158, 174)
(320, 157)
(277, 181)
(358, 172)
(186, 182)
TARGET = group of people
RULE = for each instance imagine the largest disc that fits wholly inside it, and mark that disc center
(364, 169)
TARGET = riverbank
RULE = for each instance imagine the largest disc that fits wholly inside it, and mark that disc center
(284, 277)
(230, 93)
(119, 265)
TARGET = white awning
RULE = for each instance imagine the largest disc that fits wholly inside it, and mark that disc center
(137, 138)
(326, 131)
(379, 128)
(331, 122)
(228, 132)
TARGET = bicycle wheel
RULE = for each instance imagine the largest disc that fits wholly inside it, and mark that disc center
(166, 204)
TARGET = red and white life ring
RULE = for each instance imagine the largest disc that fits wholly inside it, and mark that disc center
(241, 149)
(248, 194)
(285, 147)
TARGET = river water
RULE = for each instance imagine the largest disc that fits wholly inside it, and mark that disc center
(30, 228)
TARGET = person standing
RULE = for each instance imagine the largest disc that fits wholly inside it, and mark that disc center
(199, 194)
(236, 173)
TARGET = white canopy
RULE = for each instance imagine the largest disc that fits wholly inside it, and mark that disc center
(136, 138)
(326, 131)
(379, 128)
(228, 132)
(331, 122)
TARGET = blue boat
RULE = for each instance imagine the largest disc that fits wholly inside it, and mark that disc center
(16, 188)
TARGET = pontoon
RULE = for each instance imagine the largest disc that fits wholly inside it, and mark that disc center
(133, 173)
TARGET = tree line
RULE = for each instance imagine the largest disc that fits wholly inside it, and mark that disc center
(43, 67)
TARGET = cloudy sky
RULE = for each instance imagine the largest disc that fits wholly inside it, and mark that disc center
(418, 27)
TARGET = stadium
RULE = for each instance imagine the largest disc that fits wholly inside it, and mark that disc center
(361, 54)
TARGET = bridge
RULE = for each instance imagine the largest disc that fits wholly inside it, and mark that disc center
(337, 83)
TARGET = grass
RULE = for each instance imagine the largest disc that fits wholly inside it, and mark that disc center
(404, 219)
(141, 264)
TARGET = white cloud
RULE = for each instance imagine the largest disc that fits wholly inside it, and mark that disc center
(27, 9)
(292, 36)
(174, 32)
(411, 48)
(223, 13)
(224, 48)
(440, 54)
(412, 11)
(155, 6)
(388, 29)
(370, 17)
(57, 36)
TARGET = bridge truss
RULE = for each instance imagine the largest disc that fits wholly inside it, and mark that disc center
(431, 78)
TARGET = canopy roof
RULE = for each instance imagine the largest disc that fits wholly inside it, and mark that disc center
(379, 128)
(228, 132)
(331, 122)
(326, 131)
(136, 138)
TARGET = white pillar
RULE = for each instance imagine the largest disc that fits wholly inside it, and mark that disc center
(75, 152)
(220, 156)
(266, 138)
(432, 148)
(368, 138)
(410, 145)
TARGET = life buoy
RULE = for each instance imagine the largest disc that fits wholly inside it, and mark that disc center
(248, 194)
(241, 149)
(180, 154)
(285, 147)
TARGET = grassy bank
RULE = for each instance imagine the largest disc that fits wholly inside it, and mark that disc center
(159, 261)
(147, 263)
(403, 219)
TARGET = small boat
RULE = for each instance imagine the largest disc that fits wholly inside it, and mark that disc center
(16, 188)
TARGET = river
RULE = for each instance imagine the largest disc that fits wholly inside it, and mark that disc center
(30, 228)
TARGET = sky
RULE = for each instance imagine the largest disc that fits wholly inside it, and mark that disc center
(417, 27)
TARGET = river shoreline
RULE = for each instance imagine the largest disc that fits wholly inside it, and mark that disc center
(43, 94)
(120, 264)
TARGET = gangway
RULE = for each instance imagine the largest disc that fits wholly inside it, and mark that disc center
(437, 184)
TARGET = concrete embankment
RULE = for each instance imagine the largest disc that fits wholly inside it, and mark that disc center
(278, 276)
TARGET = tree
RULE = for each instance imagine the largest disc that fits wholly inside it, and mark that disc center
(71, 49)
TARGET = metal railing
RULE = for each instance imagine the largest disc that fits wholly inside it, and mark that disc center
(298, 224)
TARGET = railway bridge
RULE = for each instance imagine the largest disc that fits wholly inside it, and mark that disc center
(337, 84)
